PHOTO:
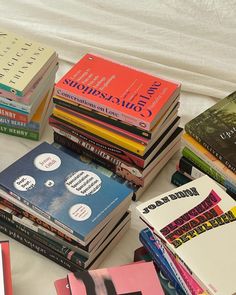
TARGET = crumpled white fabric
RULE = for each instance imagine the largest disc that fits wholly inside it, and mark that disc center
(193, 42)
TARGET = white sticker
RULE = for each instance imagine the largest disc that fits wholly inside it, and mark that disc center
(47, 162)
(80, 212)
(83, 183)
(24, 183)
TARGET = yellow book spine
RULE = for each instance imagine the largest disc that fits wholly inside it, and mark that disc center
(108, 135)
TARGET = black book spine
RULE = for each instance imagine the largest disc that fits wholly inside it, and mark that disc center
(185, 165)
(38, 247)
(56, 246)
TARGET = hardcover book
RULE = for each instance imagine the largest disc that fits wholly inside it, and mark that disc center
(215, 129)
(119, 91)
(68, 193)
(135, 278)
(22, 61)
(197, 223)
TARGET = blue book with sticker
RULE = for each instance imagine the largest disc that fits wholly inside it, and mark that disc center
(64, 191)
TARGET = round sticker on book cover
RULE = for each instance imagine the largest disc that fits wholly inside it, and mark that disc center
(80, 212)
(24, 183)
(47, 162)
(83, 183)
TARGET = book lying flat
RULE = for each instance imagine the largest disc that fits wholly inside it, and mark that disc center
(65, 191)
(196, 222)
(135, 278)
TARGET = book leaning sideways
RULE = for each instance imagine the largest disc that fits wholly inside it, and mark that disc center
(116, 90)
(197, 223)
(21, 62)
(66, 192)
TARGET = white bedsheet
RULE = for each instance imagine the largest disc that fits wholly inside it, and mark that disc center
(193, 42)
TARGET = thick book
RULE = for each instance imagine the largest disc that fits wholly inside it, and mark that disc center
(68, 193)
(117, 90)
(136, 278)
(197, 223)
(22, 62)
(5, 269)
(215, 129)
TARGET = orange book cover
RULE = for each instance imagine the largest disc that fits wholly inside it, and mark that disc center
(117, 90)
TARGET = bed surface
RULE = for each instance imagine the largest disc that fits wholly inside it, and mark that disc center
(193, 42)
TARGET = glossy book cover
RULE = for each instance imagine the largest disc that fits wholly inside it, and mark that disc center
(70, 193)
(117, 90)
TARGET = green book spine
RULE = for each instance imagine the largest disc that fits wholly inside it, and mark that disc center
(187, 153)
(19, 132)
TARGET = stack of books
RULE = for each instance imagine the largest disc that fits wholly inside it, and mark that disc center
(134, 279)
(5, 269)
(191, 237)
(209, 146)
(124, 119)
(27, 76)
(63, 208)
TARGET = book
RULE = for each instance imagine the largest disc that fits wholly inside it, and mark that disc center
(6, 268)
(119, 126)
(72, 188)
(215, 129)
(135, 278)
(62, 286)
(34, 129)
(107, 150)
(196, 222)
(199, 155)
(22, 61)
(119, 91)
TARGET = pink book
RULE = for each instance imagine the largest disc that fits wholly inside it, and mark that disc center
(136, 279)
(62, 287)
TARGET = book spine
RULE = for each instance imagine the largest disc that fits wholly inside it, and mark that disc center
(100, 108)
(44, 215)
(19, 132)
(102, 118)
(48, 228)
(7, 112)
(104, 145)
(112, 137)
(33, 126)
(53, 245)
(37, 246)
(202, 165)
(179, 179)
(210, 148)
(160, 260)
(107, 161)
(4, 102)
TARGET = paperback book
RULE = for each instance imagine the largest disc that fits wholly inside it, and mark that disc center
(215, 129)
(197, 223)
(119, 91)
(68, 193)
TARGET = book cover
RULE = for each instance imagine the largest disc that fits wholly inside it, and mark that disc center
(117, 90)
(62, 286)
(6, 268)
(215, 129)
(22, 61)
(196, 222)
(69, 193)
(135, 278)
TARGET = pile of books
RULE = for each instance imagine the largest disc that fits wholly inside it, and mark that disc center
(134, 279)
(124, 119)
(63, 208)
(5, 269)
(27, 75)
(191, 237)
(209, 146)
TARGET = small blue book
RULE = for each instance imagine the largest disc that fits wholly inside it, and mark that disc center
(66, 191)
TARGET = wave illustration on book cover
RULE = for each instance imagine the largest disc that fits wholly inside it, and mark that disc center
(68, 192)
(216, 130)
